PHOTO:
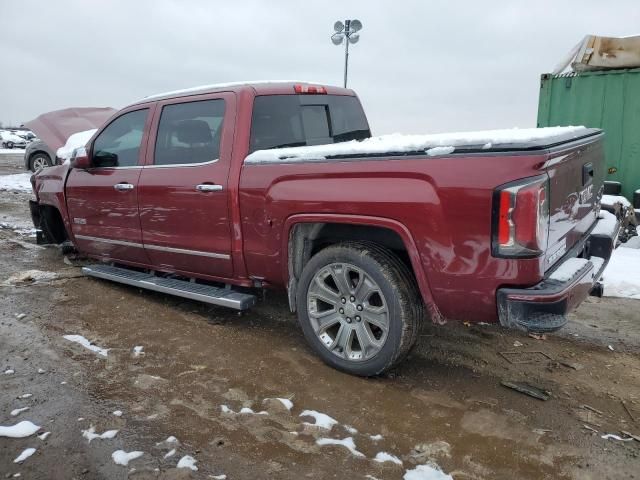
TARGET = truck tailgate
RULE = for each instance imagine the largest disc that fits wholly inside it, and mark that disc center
(576, 179)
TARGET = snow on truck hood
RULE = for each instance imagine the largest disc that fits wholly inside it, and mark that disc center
(435, 144)
(54, 128)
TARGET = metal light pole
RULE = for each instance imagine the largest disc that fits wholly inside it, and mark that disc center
(346, 32)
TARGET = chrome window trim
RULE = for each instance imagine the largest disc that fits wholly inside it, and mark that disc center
(159, 248)
(115, 168)
(173, 165)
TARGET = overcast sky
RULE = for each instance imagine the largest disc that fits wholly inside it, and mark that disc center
(420, 66)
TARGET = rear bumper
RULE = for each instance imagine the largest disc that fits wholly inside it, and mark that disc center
(543, 307)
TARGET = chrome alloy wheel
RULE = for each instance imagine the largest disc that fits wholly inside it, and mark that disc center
(348, 311)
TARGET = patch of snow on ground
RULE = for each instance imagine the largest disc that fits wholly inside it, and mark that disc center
(288, 404)
(350, 429)
(218, 477)
(250, 411)
(345, 442)
(87, 344)
(18, 411)
(170, 439)
(18, 182)
(188, 462)
(92, 435)
(26, 395)
(622, 274)
(170, 453)
(24, 455)
(19, 430)
(17, 151)
(120, 457)
(76, 140)
(397, 143)
(611, 436)
(9, 371)
(426, 472)
(382, 457)
(322, 420)
(376, 438)
(117, 413)
(226, 409)
(138, 350)
(43, 436)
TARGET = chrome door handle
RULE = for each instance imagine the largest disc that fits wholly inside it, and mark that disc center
(123, 187)
(208, 187)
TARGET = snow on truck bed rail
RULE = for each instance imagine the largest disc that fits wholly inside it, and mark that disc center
(435, 144)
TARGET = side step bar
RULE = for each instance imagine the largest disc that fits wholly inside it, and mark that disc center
(224, 297)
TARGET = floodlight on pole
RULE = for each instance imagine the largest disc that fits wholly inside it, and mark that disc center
(346, 33)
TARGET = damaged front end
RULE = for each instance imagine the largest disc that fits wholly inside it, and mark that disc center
(48, 224)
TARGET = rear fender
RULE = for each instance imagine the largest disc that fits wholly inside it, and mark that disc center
(401, 230)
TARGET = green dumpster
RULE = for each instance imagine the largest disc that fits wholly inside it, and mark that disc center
(607, 99)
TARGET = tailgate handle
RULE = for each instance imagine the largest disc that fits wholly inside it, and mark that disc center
(587, 173)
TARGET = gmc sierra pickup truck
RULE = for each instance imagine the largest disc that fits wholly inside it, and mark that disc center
(213, 192)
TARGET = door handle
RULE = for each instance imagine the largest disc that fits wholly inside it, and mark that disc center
(208, 187)
(123, 187)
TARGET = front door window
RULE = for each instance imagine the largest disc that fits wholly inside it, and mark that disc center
(118, 145)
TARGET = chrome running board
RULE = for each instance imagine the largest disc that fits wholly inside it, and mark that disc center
(224, 297)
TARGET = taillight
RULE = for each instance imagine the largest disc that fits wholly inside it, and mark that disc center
(521, 218)
(311, 89)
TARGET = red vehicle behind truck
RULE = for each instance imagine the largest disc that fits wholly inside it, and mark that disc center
(213, 192)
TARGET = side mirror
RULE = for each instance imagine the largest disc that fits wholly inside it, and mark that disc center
(80, 159)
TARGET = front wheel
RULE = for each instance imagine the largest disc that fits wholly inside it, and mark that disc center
(40, 161)
(359, 307)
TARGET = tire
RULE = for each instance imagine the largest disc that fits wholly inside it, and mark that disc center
(39, 161)
(380, 283)
(9, 145)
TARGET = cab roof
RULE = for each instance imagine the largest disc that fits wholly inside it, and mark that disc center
(259, 87)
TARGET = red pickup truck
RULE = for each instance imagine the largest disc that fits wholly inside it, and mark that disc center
(213, 192)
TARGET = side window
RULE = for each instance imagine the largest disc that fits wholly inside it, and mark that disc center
(118, 145)
(189, 133)
(297, 120)
(276, 123)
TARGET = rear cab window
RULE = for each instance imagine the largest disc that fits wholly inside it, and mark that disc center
(280, 121)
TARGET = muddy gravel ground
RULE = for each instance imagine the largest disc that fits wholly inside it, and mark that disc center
(444, 407)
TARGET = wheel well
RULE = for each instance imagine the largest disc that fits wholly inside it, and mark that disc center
(33, 154)
(307, 239)
(52, 225)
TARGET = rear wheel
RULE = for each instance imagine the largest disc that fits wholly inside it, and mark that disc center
(9, 144)
(359, 307)
(39, 161)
